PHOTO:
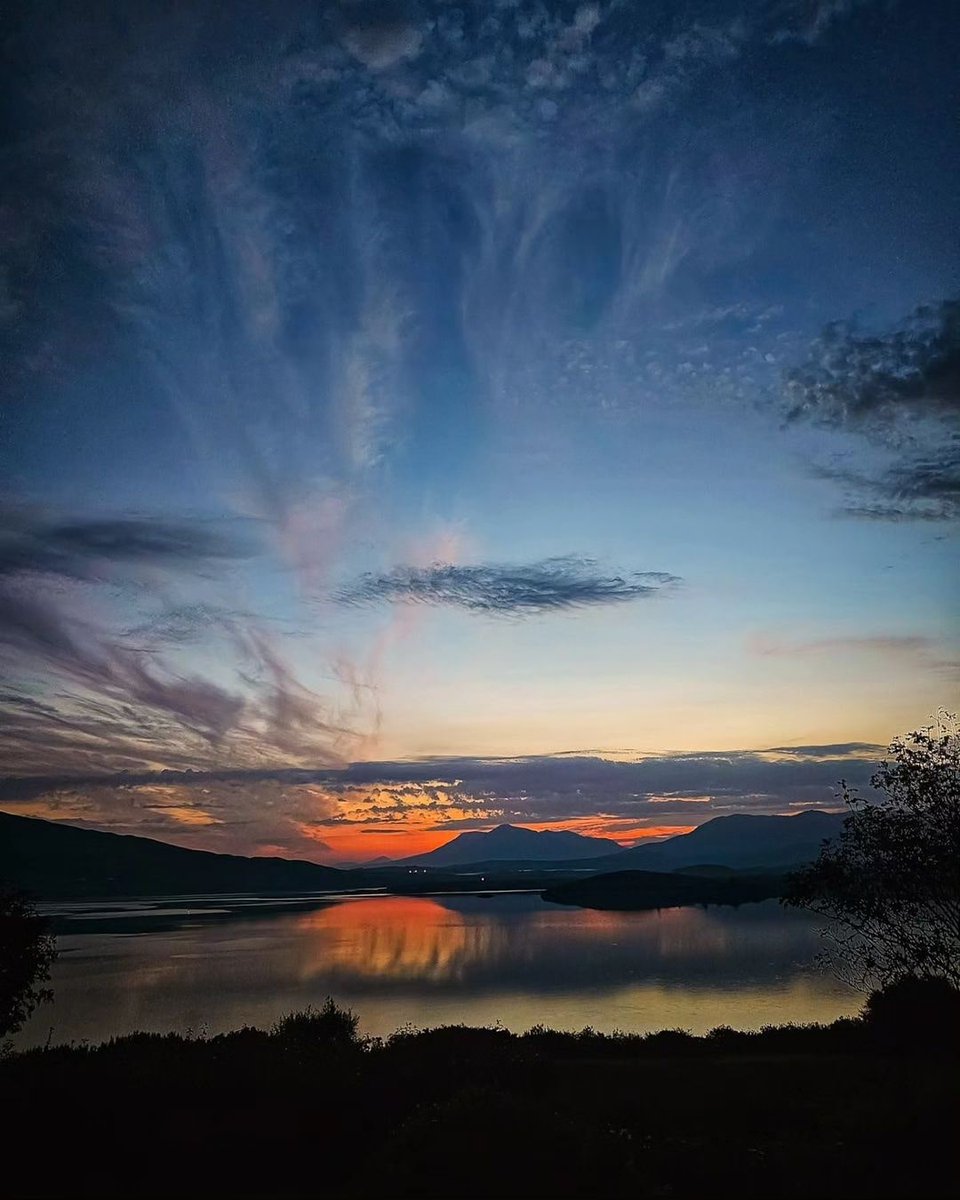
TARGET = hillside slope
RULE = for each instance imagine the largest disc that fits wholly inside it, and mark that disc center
(53, 860)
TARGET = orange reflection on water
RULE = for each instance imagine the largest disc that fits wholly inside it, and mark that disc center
(418, 938)
(402, 937)
(445, 959)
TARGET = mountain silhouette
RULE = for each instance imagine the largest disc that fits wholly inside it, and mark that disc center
(50, 859)
(739, 840)
(54, 860)
(513, 843)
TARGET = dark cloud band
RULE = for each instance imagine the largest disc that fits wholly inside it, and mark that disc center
(901, 391)
(30, 544)
(553, 585)
(527, 789)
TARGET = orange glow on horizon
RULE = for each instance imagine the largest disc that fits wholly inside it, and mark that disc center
(354, 824)
(365, 843)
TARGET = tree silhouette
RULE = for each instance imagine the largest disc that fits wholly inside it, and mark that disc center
(27, 952)
(890, 883)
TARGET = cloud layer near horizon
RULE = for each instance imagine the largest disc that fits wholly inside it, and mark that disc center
(306, 813)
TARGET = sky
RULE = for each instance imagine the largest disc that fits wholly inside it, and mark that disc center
(422, 416)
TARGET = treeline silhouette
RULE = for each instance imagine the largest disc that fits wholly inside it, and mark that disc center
(626, 891)
(864, 1107)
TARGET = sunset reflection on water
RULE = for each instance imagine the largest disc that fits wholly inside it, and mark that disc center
(396, 937)
(400, 960)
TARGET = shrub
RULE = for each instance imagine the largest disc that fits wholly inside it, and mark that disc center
(327, 1028)
(914, 1013)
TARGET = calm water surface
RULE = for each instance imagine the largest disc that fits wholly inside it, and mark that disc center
(212, 965)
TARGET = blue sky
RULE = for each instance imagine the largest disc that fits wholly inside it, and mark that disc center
(394, 381)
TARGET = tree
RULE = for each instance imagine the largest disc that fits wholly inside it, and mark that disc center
(27, 952)
(890, 883)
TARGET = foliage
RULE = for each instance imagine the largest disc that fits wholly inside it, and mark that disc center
(890, 883)
(457, 1112)
(327, 1028)
(914, 1014)
(27, 952)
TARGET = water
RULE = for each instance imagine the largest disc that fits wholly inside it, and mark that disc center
(211, 965)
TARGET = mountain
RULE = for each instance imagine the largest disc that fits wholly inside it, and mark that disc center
(740, 840)
(51, 860)
(512, 843)
(380, 861)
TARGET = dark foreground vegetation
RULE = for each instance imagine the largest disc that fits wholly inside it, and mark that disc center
(860, 1108)
(625, 891)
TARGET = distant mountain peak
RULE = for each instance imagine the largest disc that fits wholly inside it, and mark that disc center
(742, 840)
(514, 842)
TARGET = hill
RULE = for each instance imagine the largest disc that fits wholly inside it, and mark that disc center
(741, 840)
(51, 860)
(512, 843)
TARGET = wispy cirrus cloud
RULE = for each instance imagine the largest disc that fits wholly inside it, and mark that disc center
(920, 652)
(84, 691)
(906, 644)
(552, 585)
(124, 703)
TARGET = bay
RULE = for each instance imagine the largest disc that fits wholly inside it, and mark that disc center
(213, 964)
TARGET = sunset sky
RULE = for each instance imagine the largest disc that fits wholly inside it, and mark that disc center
(422, 416)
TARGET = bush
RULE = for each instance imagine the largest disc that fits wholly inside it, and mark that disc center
(324, 1029)
(914, 1013)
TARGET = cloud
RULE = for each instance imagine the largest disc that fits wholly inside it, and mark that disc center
(354, 214)
(38, 632)
(916, 653)
(93, 549)
(807, 21)
(282, 807)
(552, 585)
(872, 382)
(382, 44)
(110, 702)
(900, 390)
(257, 816)
(264, 259)
(911, 645)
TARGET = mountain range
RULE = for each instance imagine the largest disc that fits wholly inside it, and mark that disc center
(53, 860)
(740, 840)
